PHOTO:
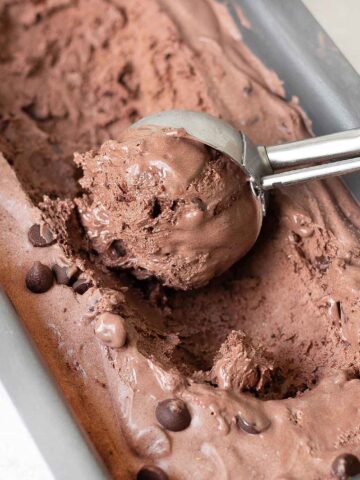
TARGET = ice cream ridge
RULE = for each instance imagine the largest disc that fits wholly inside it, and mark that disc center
(180, 359)
(162, 204)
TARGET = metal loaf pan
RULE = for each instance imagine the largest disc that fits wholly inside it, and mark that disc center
(286, 37)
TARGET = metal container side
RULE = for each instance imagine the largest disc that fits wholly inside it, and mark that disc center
(291, 42)
(40, 405)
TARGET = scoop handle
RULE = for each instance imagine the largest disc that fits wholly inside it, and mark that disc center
(328, 148)
(329, 155)
(317, 172)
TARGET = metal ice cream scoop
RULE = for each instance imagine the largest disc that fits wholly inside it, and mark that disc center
(260, 164)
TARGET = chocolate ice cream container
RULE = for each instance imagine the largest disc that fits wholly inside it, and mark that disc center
(289, 41)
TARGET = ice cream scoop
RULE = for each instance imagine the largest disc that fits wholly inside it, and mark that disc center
(330, 155)
(168, 199)
(162, 204)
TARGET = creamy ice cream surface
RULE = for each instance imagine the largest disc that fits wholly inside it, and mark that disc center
(254, 375)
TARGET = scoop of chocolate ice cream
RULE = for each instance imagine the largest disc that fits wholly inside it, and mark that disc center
(165, 205)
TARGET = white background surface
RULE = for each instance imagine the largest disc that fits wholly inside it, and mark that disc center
(19, 457)
(341, 20)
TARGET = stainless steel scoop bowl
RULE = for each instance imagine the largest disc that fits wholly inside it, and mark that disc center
(267, 167)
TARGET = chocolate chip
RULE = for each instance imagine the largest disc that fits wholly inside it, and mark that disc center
(248, 427)
(39, 278)
(41, 235)
(156, 208)
(128, 80)
(199, 203)
(82, 285)
(173, 414)
(248, 89)
(322, 263)
(345, 466)
(117, 249)
(150, 472)
(61, 275)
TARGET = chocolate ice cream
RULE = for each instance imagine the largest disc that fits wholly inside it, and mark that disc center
(255, 375)
(240, 366)
(164, 205)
